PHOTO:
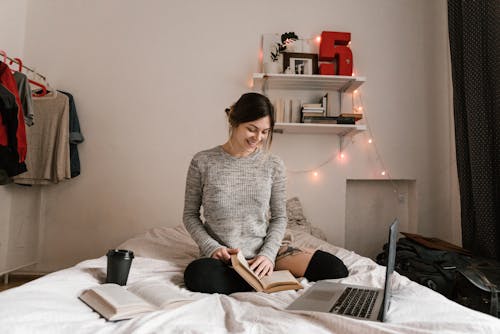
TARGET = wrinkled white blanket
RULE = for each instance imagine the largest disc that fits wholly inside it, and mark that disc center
(50, 304)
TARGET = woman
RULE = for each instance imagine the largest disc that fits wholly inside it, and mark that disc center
(238, 184)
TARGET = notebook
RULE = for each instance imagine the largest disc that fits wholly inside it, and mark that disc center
(361, 302)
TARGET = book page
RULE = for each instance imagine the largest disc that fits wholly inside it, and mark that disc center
(244, 263)
(160, 294)
(119, 298)
(277, 278)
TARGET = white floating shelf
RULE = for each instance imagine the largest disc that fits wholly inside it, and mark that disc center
(264, 81)
(312, 128)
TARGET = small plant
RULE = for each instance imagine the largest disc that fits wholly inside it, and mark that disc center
(278, 48)
(287, 38)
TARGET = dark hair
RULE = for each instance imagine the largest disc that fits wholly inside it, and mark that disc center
(251, 107)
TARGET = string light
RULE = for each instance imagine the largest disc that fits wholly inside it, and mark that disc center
(357, 106)
(318, 39)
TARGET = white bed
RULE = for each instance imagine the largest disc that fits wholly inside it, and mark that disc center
(50, 304)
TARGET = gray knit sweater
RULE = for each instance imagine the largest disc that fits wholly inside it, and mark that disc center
(236, 195)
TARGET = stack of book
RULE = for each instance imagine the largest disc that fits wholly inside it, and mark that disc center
(321, 113)
(312, 110)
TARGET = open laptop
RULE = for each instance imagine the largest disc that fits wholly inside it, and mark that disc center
(356, 301)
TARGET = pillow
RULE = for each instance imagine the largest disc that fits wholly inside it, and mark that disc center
(297, 221)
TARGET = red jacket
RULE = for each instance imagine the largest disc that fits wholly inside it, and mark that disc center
(7, 80)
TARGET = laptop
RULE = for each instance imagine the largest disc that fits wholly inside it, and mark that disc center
(356, 301)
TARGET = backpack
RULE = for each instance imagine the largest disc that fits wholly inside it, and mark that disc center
(471, 281)
(435, 269)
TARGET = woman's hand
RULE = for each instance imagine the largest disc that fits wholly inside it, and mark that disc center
(261, 265)
(224, 254)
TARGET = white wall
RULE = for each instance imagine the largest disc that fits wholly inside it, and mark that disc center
(151, 80)
(19, 207)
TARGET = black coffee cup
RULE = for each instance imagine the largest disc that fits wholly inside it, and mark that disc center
(119, 261)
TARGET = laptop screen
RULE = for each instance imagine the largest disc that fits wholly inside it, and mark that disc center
(393, 236)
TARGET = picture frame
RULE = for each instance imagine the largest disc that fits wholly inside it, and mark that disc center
(300, 63)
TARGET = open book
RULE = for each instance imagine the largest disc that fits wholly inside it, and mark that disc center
(278, 281)
(115, 302)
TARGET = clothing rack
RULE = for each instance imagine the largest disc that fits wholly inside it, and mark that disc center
(19, 62)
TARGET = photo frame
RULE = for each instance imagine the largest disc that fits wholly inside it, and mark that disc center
(300, 63)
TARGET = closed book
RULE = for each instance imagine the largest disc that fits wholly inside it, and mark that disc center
(356, 116)
(320, 120)
(312, 105)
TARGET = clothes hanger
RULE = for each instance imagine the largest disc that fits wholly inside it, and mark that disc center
(37, 94)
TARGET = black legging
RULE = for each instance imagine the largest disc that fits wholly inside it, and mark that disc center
(214, 276)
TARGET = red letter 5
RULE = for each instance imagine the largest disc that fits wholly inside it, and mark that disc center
(333, 47)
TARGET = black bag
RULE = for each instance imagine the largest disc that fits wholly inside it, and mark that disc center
(435, 269)
(471, 281)
(477, 286)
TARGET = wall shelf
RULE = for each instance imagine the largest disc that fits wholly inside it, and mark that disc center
(307, 128)
(266, 82)
(343, 84)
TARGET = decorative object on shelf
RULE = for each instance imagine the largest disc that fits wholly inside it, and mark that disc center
(300, 63)
(288, 42)
(273, 47)
(335, 50)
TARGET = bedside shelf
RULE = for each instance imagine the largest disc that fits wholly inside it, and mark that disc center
(343, 84)
(308, 128)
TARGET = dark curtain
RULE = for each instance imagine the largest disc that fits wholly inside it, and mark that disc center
(474, 44)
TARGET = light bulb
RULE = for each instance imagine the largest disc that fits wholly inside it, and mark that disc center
(360, 108)
(342, 155)
(315, 174)
(318, 39)
(355, 91)
(382, 173)
(370, 141)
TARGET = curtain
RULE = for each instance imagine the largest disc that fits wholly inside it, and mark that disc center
(474, 32)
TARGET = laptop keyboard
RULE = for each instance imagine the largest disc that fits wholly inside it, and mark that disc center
(356, 302)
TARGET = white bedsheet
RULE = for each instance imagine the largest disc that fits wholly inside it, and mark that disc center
(50, 304)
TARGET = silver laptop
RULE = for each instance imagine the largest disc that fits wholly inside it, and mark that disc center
(356, 301)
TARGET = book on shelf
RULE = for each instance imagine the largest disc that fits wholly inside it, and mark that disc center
(312, 105)
(331, 101)
(278, 281)
(328, 120)
(356, 116)
(115, 302)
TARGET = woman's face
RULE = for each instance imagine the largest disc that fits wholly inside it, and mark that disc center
(247, 137)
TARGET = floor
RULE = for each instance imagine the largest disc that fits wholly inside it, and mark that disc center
(15, 280)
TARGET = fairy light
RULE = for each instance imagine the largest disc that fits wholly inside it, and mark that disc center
(318, 39)
(341, 157)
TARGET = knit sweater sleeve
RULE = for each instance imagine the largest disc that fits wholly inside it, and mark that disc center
(191, 215)
(278, 220)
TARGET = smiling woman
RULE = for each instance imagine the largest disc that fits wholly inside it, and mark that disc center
(238, 184)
